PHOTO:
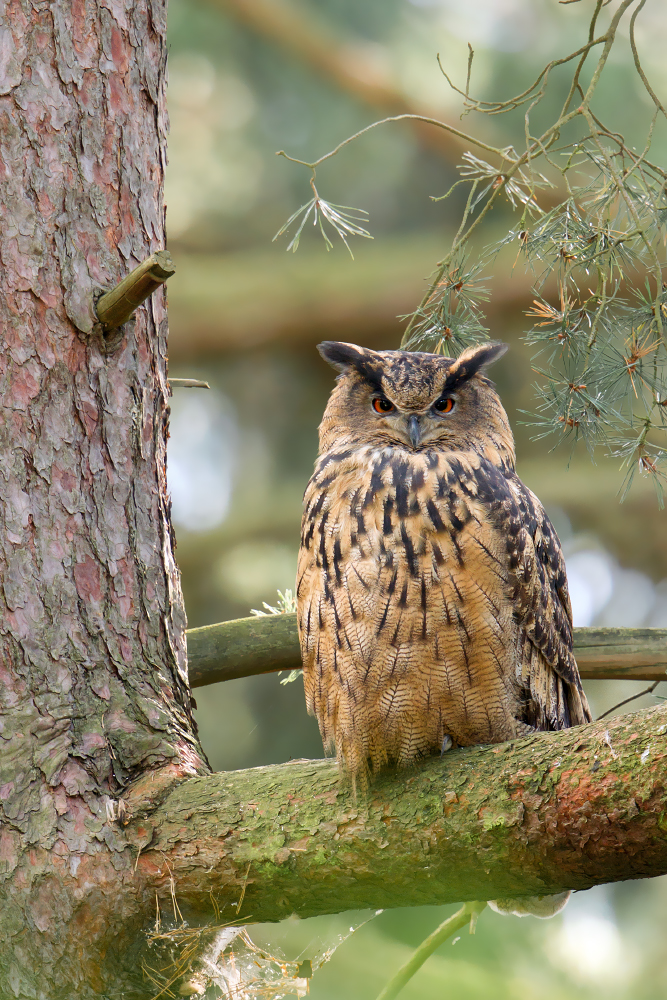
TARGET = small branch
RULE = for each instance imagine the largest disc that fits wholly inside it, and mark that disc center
(471, 56)
(395, 118)
(501, 107)
(188, 383)
(633, 213)
(610, 36)
(248, 646)
(243, 648)
(626, 701)
(468, 914)
(115, 307)
(638, 65)
(575, 86)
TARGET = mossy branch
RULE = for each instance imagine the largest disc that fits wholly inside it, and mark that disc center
(242, 648)
(542, 814)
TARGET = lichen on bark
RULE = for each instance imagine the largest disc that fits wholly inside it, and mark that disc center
(548, 812)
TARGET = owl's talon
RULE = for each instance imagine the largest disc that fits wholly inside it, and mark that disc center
(446, 744)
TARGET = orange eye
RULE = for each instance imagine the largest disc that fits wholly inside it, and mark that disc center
(445, 405)
(382, 405)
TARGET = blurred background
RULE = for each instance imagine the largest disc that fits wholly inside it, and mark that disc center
(250, 77)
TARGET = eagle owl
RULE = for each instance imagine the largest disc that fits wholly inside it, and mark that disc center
(432, 600)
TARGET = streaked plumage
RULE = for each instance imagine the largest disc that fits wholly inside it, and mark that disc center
(431, 589)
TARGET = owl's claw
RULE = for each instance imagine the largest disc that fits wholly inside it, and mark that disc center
(446, 744)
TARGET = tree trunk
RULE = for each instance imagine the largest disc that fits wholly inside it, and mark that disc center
(92, 651)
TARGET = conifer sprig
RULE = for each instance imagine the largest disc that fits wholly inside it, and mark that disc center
(592, 228)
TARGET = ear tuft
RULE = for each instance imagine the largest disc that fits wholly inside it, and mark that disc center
(474, 358)
(344, 357)
(341, 356)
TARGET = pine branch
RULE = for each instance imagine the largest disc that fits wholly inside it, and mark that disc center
(607, 363)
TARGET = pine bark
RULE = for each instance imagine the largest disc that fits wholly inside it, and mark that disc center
(94, 675)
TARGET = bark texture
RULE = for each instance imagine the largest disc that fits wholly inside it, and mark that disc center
(553, 811)
(92, 652)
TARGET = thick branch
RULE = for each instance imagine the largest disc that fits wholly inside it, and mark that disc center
(250, 646)
(546, 813)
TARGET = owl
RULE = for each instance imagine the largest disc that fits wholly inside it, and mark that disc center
(433, 607)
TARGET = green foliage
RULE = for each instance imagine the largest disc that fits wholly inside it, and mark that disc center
(343, 220)
(285, 605)
(592, 228)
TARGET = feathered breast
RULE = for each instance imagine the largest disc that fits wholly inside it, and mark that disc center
(418, 606)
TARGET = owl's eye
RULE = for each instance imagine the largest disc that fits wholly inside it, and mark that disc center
(382, 405)
(445, 405)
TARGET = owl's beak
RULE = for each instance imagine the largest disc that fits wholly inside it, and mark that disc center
(414, 430)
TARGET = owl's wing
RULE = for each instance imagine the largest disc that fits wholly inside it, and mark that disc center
(547, 669)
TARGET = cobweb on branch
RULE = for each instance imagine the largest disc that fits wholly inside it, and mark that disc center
(222, 961)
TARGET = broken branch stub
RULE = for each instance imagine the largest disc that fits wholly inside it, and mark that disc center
(187, 383)
(115, 307)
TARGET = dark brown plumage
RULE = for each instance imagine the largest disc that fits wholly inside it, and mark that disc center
(431, 590)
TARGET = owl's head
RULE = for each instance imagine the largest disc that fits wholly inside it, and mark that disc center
(416, 401)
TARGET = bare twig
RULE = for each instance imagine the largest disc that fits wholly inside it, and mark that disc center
(445, 126)
(626, 701)
(638, 65)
